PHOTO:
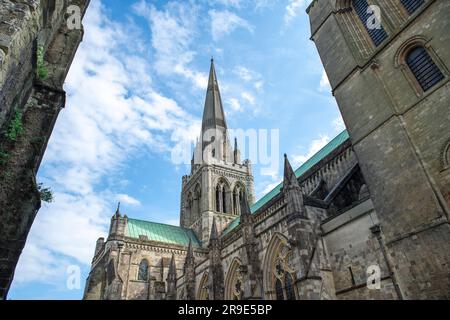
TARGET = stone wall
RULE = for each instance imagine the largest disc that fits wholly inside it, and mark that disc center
(352, 248)
(399, 132)
(31, 100)
(132, 252)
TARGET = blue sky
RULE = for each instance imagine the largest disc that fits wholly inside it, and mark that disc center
(136, 91)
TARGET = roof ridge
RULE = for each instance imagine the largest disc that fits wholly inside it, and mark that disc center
(160, 232)
(160, 223)
(339, 136)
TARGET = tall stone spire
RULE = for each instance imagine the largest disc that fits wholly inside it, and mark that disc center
(213, 114)
(172, 280)
(190, 253)
(250, 268)
(246, 214)
(214, 232)
(289, 175)
(292, 191)
(172, 266)
(189, 272)
(216, 278)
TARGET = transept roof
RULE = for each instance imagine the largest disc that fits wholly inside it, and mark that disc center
(160, 232)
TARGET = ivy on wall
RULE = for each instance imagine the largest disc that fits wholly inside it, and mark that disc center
(42, 72)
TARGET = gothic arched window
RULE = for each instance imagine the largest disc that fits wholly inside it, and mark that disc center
(423, 67)
(224, 200)
(279, 270)
(447, 155)
(238, 195)
(279, 290)
(412, 5)
(288, 286)
(110, 272)
(376, 33)
(218, 199)
(203, 289)
(233, 282)
(143, 271)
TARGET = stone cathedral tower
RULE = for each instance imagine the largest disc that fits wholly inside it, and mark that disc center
(218, 179)
(391, 84)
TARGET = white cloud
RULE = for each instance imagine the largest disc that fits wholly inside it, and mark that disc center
(269, 187)
(259, 85)
(173, 30)
(250, 76)
(324, 84)
(338, 124)
(124, 198)
(244, 73)
(240, 4)
(225, 22)
(173, 222)
(228, 3)
(247, 96)
(314, 147)
(234, 104)
(293, 9)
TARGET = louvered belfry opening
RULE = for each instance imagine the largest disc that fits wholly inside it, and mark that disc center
(423, 67)
(412, 5)
(378, 35)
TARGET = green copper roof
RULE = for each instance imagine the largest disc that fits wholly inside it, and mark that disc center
(322, 153)
(160, 232)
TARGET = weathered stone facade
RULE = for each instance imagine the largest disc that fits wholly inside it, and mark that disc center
(36, 49)
(398, 125)
(364, 218)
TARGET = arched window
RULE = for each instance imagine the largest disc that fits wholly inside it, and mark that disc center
(279, 270)
(223, 196)
(143, 271)
(361, 7)
(224, 200)
(218, 198)
(196, 202)
(447, 155)
(412, 5)
(188, 204)
(233, 281)
(110, 272)
(279, 290)
(423, 68)
(238, 195)
(288, 285)
(203, 289)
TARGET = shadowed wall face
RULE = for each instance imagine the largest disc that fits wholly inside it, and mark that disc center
(37, 47)
(396, 116)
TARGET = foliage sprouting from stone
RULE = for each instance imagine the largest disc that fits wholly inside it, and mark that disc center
(41, 70)
(46, 193)
(15, 127)
(3, 157)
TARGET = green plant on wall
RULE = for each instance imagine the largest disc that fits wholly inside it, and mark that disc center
(3, 157)
(46, 193)
(15, 127)
(41, 70)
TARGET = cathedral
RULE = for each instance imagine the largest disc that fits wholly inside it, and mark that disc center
(366, 217)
